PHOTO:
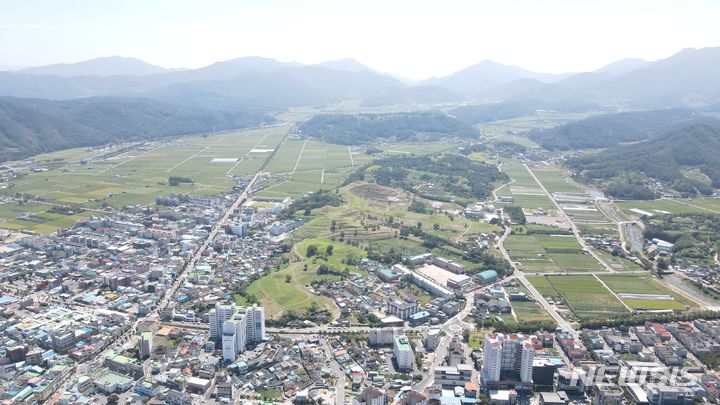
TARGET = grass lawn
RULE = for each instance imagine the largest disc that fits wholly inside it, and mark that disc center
(278, 294)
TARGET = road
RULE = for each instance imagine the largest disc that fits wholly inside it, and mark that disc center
(675, 282)
(189, 265)
(518, 274)
(573, 227)
(337, 372)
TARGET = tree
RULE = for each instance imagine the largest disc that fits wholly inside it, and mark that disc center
(311, 251)
(329, 250)
(113, 399)
(288, 278)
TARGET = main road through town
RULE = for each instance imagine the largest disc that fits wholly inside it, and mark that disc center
(96, 361)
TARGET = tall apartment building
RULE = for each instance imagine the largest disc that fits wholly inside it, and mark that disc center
(382, 336)
(146, 345)
(235, 327)
(218, 316)
(507, 358)
(403, 353)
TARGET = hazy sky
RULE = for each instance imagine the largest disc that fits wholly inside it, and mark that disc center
(414, 38)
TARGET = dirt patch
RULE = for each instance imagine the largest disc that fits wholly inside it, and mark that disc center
(380, 196)
(560, 222)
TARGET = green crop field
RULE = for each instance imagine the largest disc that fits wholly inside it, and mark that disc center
(555, 179)
(598, 229)
(36, 217)
(587, 216)
(140, 174)
(618, 263)
(531, 255)
(584, 295)
(634, 284)
(549, 253)
(528, 310)
(526, 192)
(712, 204)
(657, 207)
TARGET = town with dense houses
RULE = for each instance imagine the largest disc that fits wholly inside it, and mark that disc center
(142, 304)
(206, 227)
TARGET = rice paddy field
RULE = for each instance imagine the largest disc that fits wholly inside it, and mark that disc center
(636, 284)
(660, 207)
(549, 254)
(526, 192)
(584, 295)
(139, 174)
(555, 179)
(35, 217)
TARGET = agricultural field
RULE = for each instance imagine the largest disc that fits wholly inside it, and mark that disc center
(646, 284)
(710, 204)
(587, 216)
(555, 179)
(526, 192)
(585, 296)
(549, 253)
(598, 229)
(139, 174)
(659, 207)
(289, 288)
(305, 165)
(618, 263)
(528, 310)
(36, 217)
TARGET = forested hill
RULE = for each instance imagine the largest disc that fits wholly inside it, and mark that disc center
(609, 130)
(347, 129)
(29, 126)
(666, 157)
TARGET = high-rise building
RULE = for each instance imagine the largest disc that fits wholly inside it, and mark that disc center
(507, 358)
(146, 343)
(218, 316)
(403, 353)
(236, 326)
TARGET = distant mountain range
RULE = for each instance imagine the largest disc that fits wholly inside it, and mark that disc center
(154, 101)
(108, 66)
(690, 78)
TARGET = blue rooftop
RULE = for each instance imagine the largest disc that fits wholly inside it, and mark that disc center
(487, 275)
(6, 299)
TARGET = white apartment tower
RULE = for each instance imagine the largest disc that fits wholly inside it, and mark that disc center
(218, 316)
(403, 353)
(236, 326)
(513, 353)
